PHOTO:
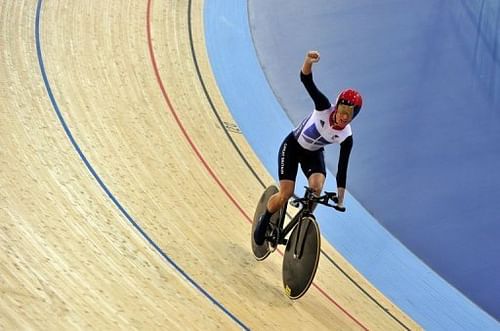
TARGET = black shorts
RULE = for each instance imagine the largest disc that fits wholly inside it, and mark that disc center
(291, 154)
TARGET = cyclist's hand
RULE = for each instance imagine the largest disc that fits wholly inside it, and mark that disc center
(338, 206)
(312, 56)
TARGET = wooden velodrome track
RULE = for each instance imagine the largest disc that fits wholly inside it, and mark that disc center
(126, 192)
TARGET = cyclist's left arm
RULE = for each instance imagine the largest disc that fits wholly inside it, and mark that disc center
(345, 152)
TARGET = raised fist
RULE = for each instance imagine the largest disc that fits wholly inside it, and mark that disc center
(312, 56)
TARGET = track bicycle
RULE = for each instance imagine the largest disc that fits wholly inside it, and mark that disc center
(303, 246)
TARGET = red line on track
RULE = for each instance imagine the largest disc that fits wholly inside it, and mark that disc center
(202, 159)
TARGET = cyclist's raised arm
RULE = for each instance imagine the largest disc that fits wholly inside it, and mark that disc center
(345, 152)
(321, 102)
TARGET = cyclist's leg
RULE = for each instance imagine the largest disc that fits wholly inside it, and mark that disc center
(313, 166)
(274, 204)
(288, 165)
(314, 169)
(279, 199)
(316, 182)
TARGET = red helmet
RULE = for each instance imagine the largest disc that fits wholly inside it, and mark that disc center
(350, 97)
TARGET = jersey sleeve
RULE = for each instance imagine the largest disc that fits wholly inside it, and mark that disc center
(321, 102)
(345, 152)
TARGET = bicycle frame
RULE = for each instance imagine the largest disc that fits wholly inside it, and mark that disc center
(288, 228)
(308, 203)
(305, 211)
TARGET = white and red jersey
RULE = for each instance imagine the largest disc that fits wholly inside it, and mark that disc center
(316, 131)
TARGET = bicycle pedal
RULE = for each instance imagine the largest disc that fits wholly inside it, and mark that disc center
(272, 239)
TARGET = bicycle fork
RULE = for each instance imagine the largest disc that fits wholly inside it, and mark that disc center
(300, 238)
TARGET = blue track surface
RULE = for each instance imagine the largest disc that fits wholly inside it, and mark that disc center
(259, 113)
